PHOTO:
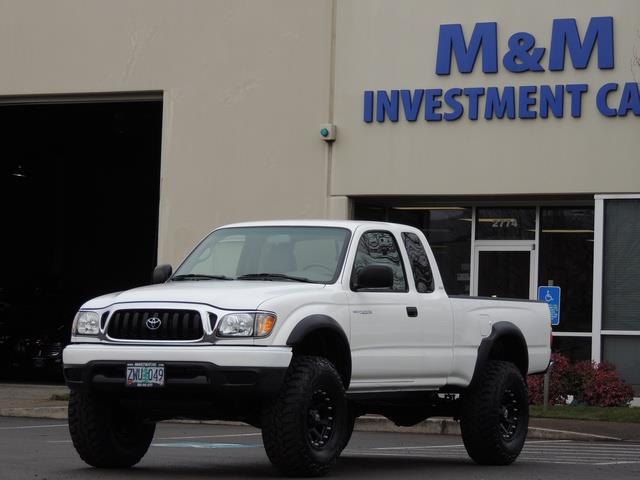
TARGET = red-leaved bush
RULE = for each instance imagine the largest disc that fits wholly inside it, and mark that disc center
(557, 388)
(604, 388)
(588, 382)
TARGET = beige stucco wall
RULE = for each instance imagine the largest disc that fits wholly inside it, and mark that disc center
(246, 86)
(383, 45)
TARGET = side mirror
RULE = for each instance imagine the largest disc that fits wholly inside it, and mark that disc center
(161, 273)
(374, 276)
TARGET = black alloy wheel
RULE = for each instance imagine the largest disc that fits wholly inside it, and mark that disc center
(495, 415)
(305, 428)
(320, 418)
(509, 414)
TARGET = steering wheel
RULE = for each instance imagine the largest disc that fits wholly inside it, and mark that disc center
(317, 265)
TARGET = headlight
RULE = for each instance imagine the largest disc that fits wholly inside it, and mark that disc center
(86, 323)
(246, 324)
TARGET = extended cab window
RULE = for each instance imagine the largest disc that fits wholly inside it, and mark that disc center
(420, 267)
(380, 248)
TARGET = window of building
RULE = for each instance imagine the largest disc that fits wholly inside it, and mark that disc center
(506, 224)
(621, 265)
(624, 353)
(566, 261)
(448, 230)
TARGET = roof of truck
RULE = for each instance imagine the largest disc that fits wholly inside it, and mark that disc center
(350, 224)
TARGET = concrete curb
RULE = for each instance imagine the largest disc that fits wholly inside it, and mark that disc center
(58, 413)
(368, 423)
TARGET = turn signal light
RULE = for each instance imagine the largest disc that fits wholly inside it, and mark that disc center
(264, 324)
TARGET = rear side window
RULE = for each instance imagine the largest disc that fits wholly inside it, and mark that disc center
(380, 248)
(420, 267)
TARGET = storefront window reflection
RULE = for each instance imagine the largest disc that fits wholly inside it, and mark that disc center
(566, 260)
(448, 230)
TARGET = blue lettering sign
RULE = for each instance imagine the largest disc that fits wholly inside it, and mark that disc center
(474, 95)
(576, 91)
(411, 106)
(564, 35)
(630, 100)
(522, 55)
(498, 106)
(601, 99)
(432, 103)
(387, 106)
(451, 41)
(551, 101)
(525, 101)
(450, 98)
(368, 106)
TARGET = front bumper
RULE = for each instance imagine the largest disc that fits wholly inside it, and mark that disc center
(205, 371)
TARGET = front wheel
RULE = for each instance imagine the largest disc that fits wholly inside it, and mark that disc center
(106, 436)
(495, 415)
(304, 430)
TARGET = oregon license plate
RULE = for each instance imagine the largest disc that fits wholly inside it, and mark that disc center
(145, 374)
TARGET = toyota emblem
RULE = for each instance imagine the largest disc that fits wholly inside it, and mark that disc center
(153, 323)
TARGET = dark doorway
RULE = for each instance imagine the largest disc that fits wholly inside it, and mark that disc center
(504, 274)
(79, 194)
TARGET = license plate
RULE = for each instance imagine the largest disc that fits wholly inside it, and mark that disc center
(145, 374)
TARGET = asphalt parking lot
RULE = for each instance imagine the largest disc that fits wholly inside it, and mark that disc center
(41, 449)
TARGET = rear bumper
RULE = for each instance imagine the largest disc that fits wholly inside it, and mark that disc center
(203, 371)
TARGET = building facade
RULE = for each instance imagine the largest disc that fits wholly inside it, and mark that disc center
(506, 130)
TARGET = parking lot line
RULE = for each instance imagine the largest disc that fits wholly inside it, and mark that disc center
(27, 427)
(204, 445)
(561, 452)
(211, 436)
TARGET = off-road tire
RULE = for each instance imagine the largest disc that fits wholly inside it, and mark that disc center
(287, 423)
(104, 435)
(495, 415)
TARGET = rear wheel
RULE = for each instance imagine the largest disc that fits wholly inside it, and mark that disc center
(495, 415)
(304, 429)
(104, 435)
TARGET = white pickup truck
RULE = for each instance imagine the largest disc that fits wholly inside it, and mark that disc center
(299, 327)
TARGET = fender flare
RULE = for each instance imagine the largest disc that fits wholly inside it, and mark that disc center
(500, 330)
(315, 323)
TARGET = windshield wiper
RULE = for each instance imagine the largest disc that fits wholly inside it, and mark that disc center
(272, 276)
(199, 276)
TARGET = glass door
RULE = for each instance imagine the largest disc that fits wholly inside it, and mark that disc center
(505, 271)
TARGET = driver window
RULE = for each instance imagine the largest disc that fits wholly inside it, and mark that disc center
(380, 248)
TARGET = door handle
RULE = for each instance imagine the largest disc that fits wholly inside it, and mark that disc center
(412, 311)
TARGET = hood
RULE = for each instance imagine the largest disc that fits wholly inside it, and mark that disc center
(224, 294)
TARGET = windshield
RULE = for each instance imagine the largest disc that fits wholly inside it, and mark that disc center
(307, 254)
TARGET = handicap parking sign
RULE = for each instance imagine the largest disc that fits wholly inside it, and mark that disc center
(551, 295)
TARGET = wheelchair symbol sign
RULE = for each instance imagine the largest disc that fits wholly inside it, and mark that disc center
(551, 295)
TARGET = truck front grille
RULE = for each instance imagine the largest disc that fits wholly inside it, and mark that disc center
(155, 325)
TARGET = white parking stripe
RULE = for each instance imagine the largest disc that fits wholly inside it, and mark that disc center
(563, 452)
(26, 427)
(211, 436)
(419, 447)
